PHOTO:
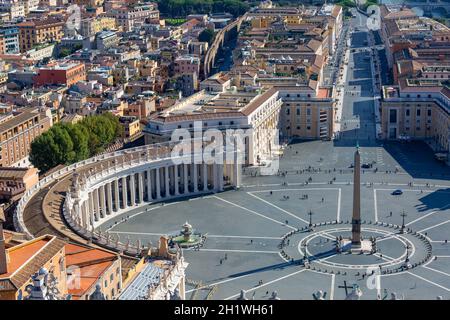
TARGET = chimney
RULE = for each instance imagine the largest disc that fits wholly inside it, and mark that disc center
(3, 254)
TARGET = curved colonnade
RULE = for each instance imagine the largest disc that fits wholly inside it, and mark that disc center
(106, 186)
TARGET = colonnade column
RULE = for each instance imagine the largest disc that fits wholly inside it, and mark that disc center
(166, 181)
(220, 176)
(175, 179)
(195, 177)
(84, 214)
(102, 199)
(141, 187)
(236, 171)
(109, 198)
(124, 193)
(158, 183)
(149, 185)
(96, 205)
(185, 178)
(91, 207)
(132, 190)
(205, 177)
(116, 194)
(215, 177)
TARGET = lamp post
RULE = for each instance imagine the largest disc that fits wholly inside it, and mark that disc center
(403, 215)
(310, 214)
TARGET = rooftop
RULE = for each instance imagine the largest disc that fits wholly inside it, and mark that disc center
(92, 263)
(148, 277)
(27, 258)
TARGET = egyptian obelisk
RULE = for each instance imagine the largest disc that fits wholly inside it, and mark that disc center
(356, 216)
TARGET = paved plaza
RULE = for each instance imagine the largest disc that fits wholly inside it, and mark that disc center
(257, 237)
(245, 229)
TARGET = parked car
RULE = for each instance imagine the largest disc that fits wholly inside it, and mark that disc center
(397, 192)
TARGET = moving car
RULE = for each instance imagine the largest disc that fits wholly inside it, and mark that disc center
(397, 192)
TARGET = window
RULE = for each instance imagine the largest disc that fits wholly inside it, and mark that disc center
(308, 128)
(287, 111)
(429, 112)
(392, 116)
(408, 112)
(418, 112)
(298, 111)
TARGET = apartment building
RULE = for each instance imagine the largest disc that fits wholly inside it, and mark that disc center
(187, 64)
(17, 132)
(66, 73)
(90, 26)
(37, 32)
(130, 16)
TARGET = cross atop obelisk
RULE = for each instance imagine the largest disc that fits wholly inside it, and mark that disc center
(356, 216)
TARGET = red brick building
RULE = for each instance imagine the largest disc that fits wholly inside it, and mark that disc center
(67, 73)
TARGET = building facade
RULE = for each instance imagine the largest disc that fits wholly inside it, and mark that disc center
(66, 73)
(37, 32)
(17, 132)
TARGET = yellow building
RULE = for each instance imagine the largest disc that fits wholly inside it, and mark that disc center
(262, 22)
(91, 26)
(414, 110)
(131, 126)
(293, 19)
(37, 32)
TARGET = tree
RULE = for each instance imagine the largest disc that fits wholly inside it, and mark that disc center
(206, 35)
(80, 138)
(43, 151)
(69, 143)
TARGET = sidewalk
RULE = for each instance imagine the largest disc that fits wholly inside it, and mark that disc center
(340, 97)
(376, 95)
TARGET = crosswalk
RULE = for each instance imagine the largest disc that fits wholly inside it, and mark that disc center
(380, 159)
(351, 121)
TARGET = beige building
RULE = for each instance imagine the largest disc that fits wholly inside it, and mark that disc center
(37, 32)
(306, 113)
(17, 132)
(131, 126)
(417, 109)
(91, 26)
(254, 110)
